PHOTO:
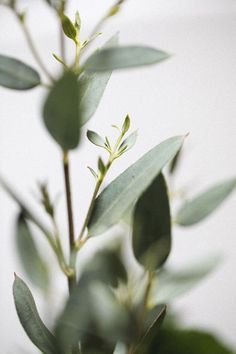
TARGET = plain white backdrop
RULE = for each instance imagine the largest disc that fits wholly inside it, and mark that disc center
(194, 91)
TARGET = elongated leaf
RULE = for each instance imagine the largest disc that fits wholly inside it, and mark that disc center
(171, 284)
(124, 57)
(180, 341)
(61, 112)
(152, 225)
(203, 205)
(95, 138)
(129, 142)
(30, 320)
(31, 260)
(16, 75)
(120, 194)
(92, 86)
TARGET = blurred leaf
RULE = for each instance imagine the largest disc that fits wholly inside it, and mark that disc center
(92, 87)
(33, 265)
(124, 57)
(175, 162)
(203, 205)
(30, 320)
(120, 194)
(170, 284)
(152, 225)
(56, 4)
(68, 28)
(129, 142)
(177, 341)
(95, 138)
(61, 112)
(16, 75)
(151, 333)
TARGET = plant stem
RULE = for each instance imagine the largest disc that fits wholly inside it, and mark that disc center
(66, 168)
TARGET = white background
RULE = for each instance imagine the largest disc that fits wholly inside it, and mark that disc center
(192, 92)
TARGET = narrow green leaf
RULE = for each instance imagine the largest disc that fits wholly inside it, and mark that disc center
(203, 205)
(31, 260)
(61, 112)
(175, 162)
(16, 75)
(68, 27)
(126, 125)
(152, 225)
(170, 284)
(101, 166)
(124, 57)
(129, 142)
(95, 138)
(30, 320)
(117, 197)
(92, 87)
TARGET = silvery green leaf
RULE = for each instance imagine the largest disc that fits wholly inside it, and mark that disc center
(204, 204)
(129, 142)
(95, 138)
(120, 194)
(114, 58)
(30, 319)
(16, 75)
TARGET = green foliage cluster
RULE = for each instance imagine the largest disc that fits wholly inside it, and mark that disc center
(103, 313)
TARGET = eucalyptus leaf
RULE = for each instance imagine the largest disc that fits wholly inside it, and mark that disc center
(114, 58)
(203, 205)
(31, 260)
(30, 320)
(120, 194)
(68, 27)
(16, 75)
(95, 138)
(152, 225)
(92, 87)
(61, 112)
(129, 142)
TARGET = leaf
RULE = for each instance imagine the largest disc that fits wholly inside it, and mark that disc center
(68, 28)
(170, 284)
(61, 112)
(180, 341)
(203, 205)
(92, 86)
(31, 260)
(16, 75)
(175, 162)
(129, 142)
(120, 194)
(124, 57)
(95, 138)
(152, 331)
(152, 225)
(30, 320)
(126, 125)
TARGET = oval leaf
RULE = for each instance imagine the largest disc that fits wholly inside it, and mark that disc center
(120, 194)
(152, 225)
(33, 265)
(61, 112)
(95, 138)
(30, 320)
(16, 75)
(124, 57)
(203, 205)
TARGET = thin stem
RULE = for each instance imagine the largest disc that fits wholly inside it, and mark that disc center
(66, 168)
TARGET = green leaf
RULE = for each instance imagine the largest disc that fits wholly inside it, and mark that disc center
(16, 75)
(31, 260)
(178, 341)
(170, 284)
(124, 57)
(126, 125)
(203, 205)
(92, 87)
(120, 194)
(68, 28)
(152, 225)
(175, 162)
(30, 320)
(129, 142)
(95, 138)
(151, 333)
(61, 112)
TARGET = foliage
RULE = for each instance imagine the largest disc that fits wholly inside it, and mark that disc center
(101, 314)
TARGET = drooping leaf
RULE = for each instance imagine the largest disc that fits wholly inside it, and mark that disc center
(16, 75)
(30, 319)
(120, 194)
(180, 341)
(31, 260)
(92, 87)
(114, 58)
(203, 205)
(95, 138)
(152, 225)
(170, 284)
(61, 112)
